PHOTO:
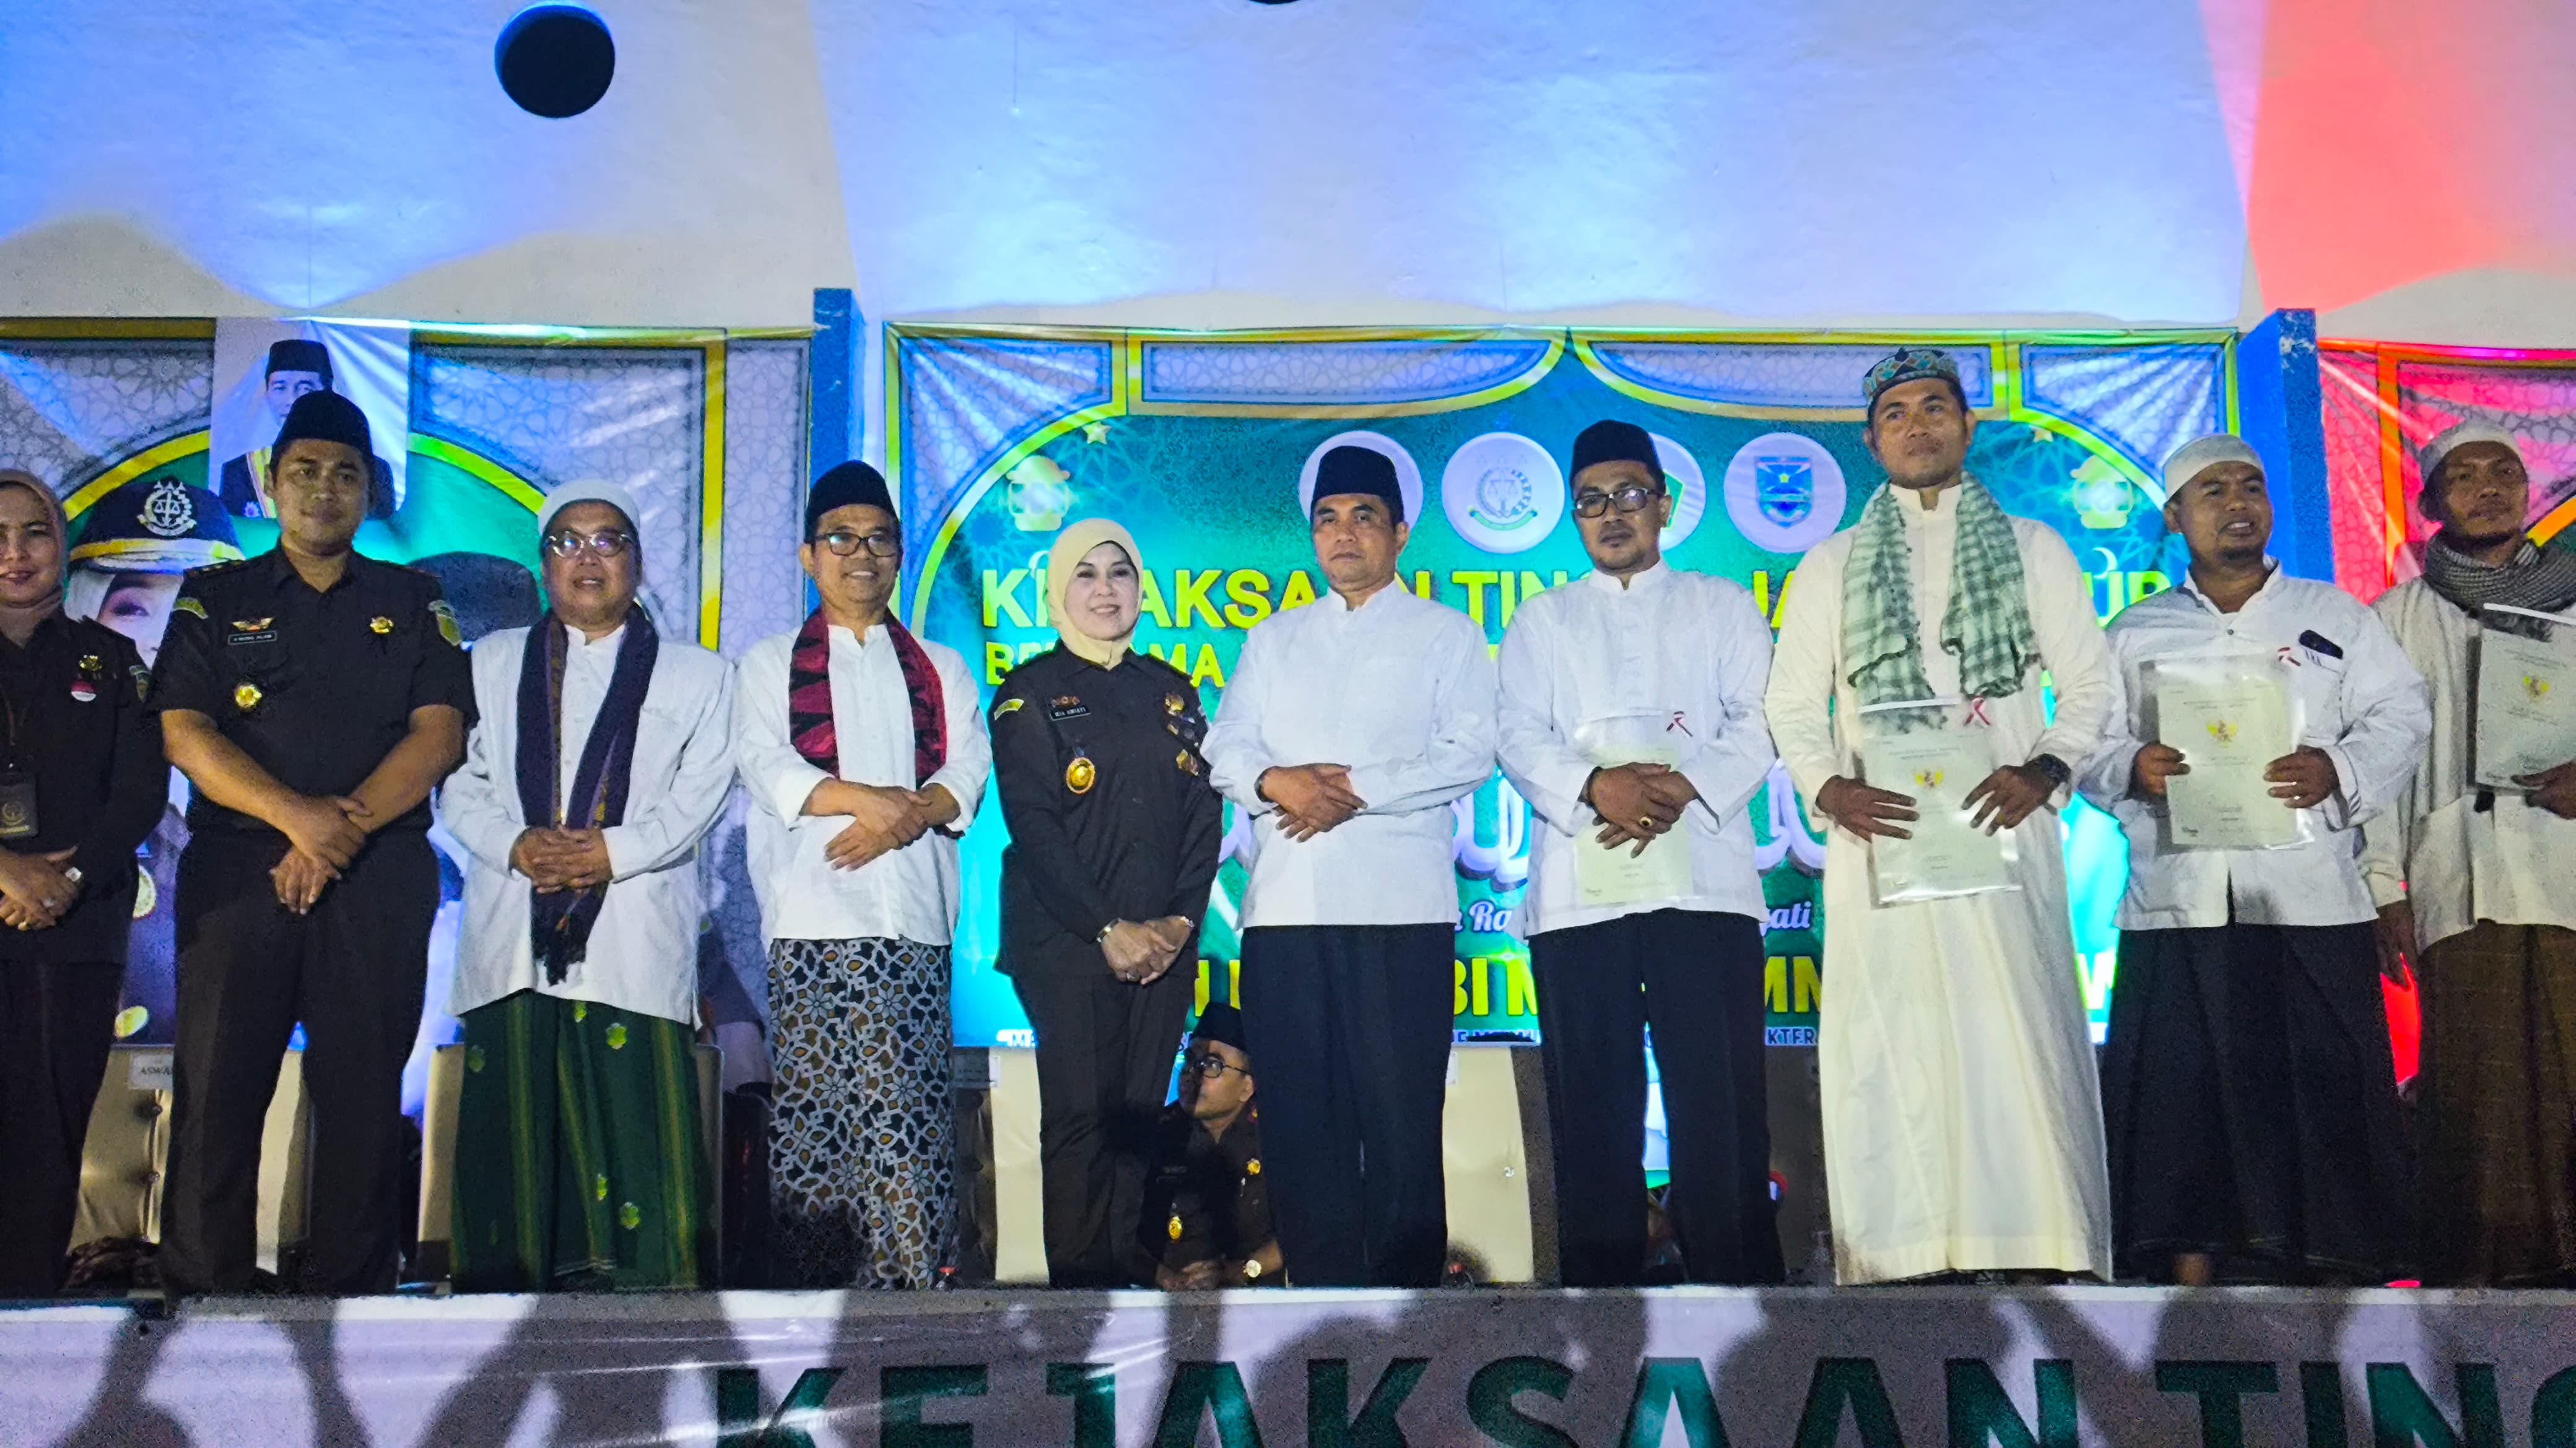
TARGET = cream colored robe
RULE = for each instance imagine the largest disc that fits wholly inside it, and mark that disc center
(1962, 1110)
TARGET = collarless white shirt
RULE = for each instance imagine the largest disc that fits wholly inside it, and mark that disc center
(2460, 864)
(908, 894)
(1401, 692)
(643, 951)
(2364, 706)
(1683, 648)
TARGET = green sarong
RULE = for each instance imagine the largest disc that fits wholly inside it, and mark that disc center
(579, 1162)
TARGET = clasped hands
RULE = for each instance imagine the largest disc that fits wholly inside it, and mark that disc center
(323, 835)
(2002, 800)
(35, 893)
(2301, 779)
(883, 819)
(561, 859)
(1311, 799)
(1637, 802)
(1140, 952)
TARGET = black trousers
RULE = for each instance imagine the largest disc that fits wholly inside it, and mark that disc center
(1696, 978)
(56, 1022)
(1105, 1052)
(2249, 1104)
(352, 971)
(1349, 1030)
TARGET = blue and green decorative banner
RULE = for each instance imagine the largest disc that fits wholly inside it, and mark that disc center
(1197, 442)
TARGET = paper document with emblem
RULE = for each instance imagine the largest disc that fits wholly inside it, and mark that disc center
(1620, 874)
(1919, 749)
(2526, 704)
(2231, 715)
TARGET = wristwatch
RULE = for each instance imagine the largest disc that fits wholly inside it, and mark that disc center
(1251, 1269)
(1103, 937)
(2054, 767)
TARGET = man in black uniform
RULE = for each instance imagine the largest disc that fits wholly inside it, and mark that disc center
(1114, 836)
(81, 781)
(313, 697)
(1207, 1206)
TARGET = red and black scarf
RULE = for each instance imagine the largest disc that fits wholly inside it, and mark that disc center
(809, 699)
(560, 923)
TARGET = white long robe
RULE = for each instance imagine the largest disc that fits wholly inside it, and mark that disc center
(1962, 1111)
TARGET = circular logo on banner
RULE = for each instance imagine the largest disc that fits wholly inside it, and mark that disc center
(1784, 492)
(1502, 492)
(1408, 476)
(167, 510)
(1689, 488)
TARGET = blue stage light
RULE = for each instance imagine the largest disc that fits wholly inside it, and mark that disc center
(555, 60)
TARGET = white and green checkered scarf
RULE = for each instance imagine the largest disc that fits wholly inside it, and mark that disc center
(1987, 624)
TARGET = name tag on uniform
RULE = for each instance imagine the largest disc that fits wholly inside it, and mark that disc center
(17, 806)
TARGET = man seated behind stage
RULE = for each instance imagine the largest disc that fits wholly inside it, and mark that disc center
(603, 753)
(1207, 1205)
(2247, 1095)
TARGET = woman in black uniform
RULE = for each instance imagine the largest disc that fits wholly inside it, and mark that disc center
(81, 783)
(1114, 835)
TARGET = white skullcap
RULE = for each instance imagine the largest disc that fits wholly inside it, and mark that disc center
(2459, 435)
(2203, 453)
(587, 492)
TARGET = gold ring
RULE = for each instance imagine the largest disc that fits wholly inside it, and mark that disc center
(1645, 824)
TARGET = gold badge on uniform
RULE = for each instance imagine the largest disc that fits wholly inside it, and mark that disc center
(246, 696)
(1172, 1228)
(380, 625)
(1252, 1167)
(1081, 774)
(1187, 764)
(252, 625)
(1172, 705)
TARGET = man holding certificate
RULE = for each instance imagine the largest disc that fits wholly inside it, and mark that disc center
(2469, 870)
(1963, 1125)
(2247, 1094)
(1632, 722)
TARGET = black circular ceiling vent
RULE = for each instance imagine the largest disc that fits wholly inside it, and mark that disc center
(555, 60)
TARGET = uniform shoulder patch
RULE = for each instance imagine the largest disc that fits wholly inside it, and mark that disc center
(187, 604)
(447, 628)
(1009, 706)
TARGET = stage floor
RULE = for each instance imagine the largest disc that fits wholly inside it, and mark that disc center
(1696, 1366)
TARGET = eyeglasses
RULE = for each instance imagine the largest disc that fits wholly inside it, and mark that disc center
(1214, 1067)
(882, 543)
(1632, 498)
(568, 544)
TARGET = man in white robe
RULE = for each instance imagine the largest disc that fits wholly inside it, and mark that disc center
(1962, 1115)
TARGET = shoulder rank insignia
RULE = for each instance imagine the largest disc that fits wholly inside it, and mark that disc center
(380, 625)
(447, 628)
(246, 696)
(188, 605)
(1081, 774)
(1008, 706)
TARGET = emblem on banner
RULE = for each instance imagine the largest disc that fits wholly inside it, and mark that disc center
(1502, 492)
(168, 512)
(1784, 489)
(1784, 492)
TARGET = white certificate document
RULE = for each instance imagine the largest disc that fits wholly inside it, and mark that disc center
(1948, 853)
(1617, 874)
(2231, 717)
(2526, 704)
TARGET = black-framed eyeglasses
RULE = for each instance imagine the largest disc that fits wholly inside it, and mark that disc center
(1630, 498)
(1214, 1067)
(609, 544)
(884, 543)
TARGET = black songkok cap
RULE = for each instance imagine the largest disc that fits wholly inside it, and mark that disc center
(852, 484)
(1611, 441)
(1353, 469)
(1220, 1022)
(326, 417)
(298, 355)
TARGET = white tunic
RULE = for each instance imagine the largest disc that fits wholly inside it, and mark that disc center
(643, 952)
(907, 894)
(2458, 863)
(2364, 707)
(1962, 1111)
(1400, 692)
(1685, 650)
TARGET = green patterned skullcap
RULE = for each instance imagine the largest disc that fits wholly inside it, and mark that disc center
(1910, 364)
